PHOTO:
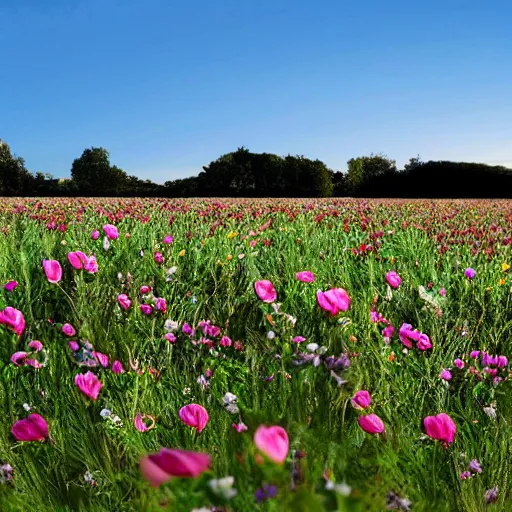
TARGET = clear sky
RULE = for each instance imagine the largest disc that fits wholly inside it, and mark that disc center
(169, 85)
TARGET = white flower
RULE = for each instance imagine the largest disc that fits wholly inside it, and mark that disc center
(171, 325)
(26, 407)
(105, 412)
(106, 243)
(229, 398)
(312, 347)
(223, 487)
(271, 335)
(88, 477)
(342, 489)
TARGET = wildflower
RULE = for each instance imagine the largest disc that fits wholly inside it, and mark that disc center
(73, 345)
(265, 291)
(446, 374)
(223, 487)
(505, 267)
(273, 442)
(440, 427)
(10, 286)
(159, 467)
(271, 335)
(158, 257)
(459, 363)
(371, 424)
(13, 319)
(265, 493)
(305, 277)
(144, 289)
(101, 358)
(140, 423)
(88, 384)
(442, 292)
(502, 362)
(394, 502)
(465, 475)
(32, 428)
(6, 473)
(68, 330)
(239, 427)
(146, 309)
(95, 235)
(474, 466)
(106, 243)
(188, 330)
(342, 489)
(195, 416)
(333, 301)
(117, 367)
(105, 412)
(225, 342)
(182, 253)
(171, 325)
(491, 495)
(53, 270)
(393, 279)
(298, 339)
(161, 304)
(124, 301)
(475, 354)
(361, 400)
(470, 273)
(170, 337)
(168, 239)
(111, 232)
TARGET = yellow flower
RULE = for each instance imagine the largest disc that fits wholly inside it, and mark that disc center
(392, 260)
(505, 267)
(232, 234)
(182, 252)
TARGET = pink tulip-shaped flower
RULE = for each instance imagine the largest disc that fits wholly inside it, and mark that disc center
(53, 270)
(168, 239)
(36, 345)
(159, 467)
(77, 259)
(393, 279)
(147, 309)
(170, 337)
(371, 424)
(91, 265)
(13, 319)
(145, 289)
(88, 384)
(361, 400)
(117, 367)
(101, 358)
(161, 304)
(158, 257)
(306, 276)
(68, 330)
(265, 291)
(140, 422)
(111, 232)
(18, 358)
(195, 416)
(95, 234)
(239, 427)
(273, 442)
(10, 286)
(124, 301)
(32, 428)
(440, 427)
(333, 301)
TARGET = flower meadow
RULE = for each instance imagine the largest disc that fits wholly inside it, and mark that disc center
(245, 355)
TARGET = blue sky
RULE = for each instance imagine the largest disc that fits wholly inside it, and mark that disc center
(168, 86)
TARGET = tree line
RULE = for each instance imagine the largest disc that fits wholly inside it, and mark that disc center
(245, 174)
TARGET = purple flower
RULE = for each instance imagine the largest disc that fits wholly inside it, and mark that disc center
(446, 374)
(475, 354)
(117, 367)
(470, 273)
(187, 329)
(10, 286)
(474, 466)
(465, 475)
(459, 363)
(298, 339)
(491, 496)
(268, 491)
(502, 361)
(146, 309)
(168, 239)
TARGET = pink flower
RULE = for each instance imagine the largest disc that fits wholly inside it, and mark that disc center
(187, 329)
(225, 342)
(161, 305)
(91, 265)
(140, 424)
(371, 424)
(111, 232)
(446, 374)
(158, 257)
(68, 330)
(101, 358)
(459, 363)
(273, 442)
(146, 309)
(442, 292)
(77, 259)
(145, 289)
(88, 384)
(168, 239)
(361, 400)
(333, 301)
(440, 427)
(95, 235)
(265, 291)
(36, 345)
(393, 279)
(470, 273)
(10, 286)
(32, 428)
(53, 270)
(424, 342)
(124, 301)
(170, 337)
(13, 319)
(298, 339)
(240, 427)
(195, 416)
(305, 277)
(158, 468)
(18, 358)
(73, 345)
(117, 367)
